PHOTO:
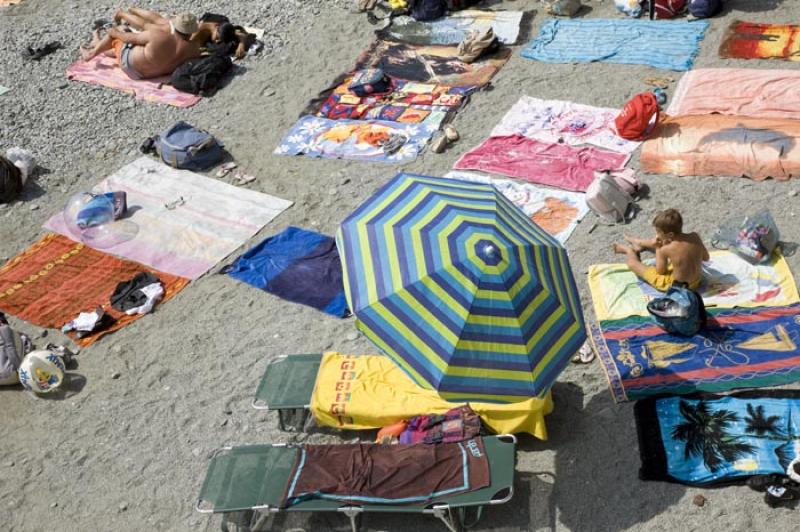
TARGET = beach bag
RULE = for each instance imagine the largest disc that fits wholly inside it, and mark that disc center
(10, 181)
(632, 8)
(201, 76)
(669, 8)
(368, 81)
(704, 8)
(681, 311)
(753, 237)
(13, 347)
(635, 121)
(611, 196)
(424, 10)
(185, 147)
(564, 8)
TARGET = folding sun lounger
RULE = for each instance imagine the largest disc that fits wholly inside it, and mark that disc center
(255, 478)
(286, 386)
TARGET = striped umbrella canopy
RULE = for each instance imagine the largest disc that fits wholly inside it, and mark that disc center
(461, 289)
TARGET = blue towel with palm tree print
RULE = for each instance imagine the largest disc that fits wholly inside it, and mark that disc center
(709, 439)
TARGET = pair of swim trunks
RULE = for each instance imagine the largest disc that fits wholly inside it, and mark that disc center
(123, 52)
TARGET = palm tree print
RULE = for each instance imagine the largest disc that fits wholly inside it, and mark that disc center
(707, 435)
(758, 424)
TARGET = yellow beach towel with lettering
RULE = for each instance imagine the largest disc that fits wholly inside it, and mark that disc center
(370, 391)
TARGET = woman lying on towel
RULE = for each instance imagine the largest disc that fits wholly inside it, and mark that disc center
(214, 30)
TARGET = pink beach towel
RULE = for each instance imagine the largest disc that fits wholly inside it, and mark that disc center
(557, 165)
(103, 70)
(738, 91)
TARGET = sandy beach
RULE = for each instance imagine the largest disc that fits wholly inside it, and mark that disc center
(129, 453)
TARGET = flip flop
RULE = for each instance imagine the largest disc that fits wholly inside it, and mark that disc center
(585, 354)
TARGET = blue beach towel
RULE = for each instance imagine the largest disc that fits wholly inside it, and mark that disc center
(296, 265)
(663, 44)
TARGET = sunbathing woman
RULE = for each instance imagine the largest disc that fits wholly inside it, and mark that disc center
(215, 29)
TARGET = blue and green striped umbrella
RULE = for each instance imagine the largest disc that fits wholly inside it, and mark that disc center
(461, 289)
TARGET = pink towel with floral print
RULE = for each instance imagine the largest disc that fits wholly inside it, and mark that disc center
(103, 70)
(557, 165)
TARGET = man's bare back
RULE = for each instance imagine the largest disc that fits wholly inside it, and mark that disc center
(162, 53)
(686, 253)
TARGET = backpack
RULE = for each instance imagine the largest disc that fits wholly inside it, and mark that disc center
(457, 5)
(182, 146)
(704, 8)
(201, 76)
(668, 8)
(681, 311)
(611, 196)
(634, 121)
(13, 347)
(424, 10)
(10, 181)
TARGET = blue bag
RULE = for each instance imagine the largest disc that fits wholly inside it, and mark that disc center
(185, 147)
(704, 8)
(680, 311)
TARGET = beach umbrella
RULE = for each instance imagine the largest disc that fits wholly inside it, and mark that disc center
(461, 289)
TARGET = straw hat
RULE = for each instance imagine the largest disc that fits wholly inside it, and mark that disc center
(185, 23)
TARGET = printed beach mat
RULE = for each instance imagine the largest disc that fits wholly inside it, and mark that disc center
(754, 92)
(186, 223)
(556, 211)
(670, 44)
(739, 348)
(431, 64)
(751, 40)
(706, 439)
(56, 279)
(557, 121)
(104, 70)
(360, 140)
(296, 265)
(720, 145)
(728, 281)
(454, 27)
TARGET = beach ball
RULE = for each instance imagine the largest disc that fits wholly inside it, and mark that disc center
(41, 371)
(89, 218)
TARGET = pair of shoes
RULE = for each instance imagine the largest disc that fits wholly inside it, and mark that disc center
(31, 53)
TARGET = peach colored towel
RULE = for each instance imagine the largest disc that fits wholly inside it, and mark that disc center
(724, 146)
(738, 91)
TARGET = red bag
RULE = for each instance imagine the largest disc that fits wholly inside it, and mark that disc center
(669, 8)
(634, 121)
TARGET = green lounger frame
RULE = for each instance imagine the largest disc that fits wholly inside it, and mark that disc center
(254, 478)
(286, 386)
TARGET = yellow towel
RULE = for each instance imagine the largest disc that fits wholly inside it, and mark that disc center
(370, 391)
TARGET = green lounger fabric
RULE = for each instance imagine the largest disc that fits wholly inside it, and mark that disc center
(288, 382)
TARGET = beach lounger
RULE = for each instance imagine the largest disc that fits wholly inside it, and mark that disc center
(286, 386)
(255, 477)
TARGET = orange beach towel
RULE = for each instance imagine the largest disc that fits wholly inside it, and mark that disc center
(55, 279)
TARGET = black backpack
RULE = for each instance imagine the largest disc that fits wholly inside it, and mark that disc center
(424, 10)
(201, 76)
(10, 181)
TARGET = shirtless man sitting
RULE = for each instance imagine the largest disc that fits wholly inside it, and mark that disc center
(151, 53)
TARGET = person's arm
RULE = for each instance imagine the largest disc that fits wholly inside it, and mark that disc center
(139, 39)
(662, 263)
(241, 48)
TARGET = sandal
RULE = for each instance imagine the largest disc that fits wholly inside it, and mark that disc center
(585, 354)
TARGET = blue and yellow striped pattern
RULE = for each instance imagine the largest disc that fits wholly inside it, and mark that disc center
(461, 289)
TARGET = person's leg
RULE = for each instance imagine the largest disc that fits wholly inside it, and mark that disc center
(648, 274)
(132, 20)
(96, 47)
(632, 260)
(148, 16)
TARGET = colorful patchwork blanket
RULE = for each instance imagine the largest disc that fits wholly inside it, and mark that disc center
(103, 70)
(751, 40)
(662, 44)
(55, 279)
(361, 140)
(722, 145)
(557, 121)
(454, 27)
(187, 223)
(556, 211)
(707, 439)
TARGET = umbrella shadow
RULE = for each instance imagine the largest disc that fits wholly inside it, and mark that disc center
(596, 484)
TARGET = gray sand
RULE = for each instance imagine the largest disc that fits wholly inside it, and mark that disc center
(130, 454)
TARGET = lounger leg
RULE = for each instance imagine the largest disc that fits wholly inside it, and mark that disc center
(352, 513)
(446, 517)
(281, 423)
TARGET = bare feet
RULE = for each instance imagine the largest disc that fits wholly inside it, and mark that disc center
(634, 242)
(87, 52)
(625, 250)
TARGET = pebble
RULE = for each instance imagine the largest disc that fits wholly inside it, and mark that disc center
(228, 411)
(699, 500)
(116, 375)
(53, 504)
(792, 193)
(196, 451)
(43, 334)
(351, 336)
(10, 463)
(123, 506)
(33, 207)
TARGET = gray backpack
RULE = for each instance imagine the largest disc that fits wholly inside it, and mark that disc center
(611, 197)
(13, 347)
